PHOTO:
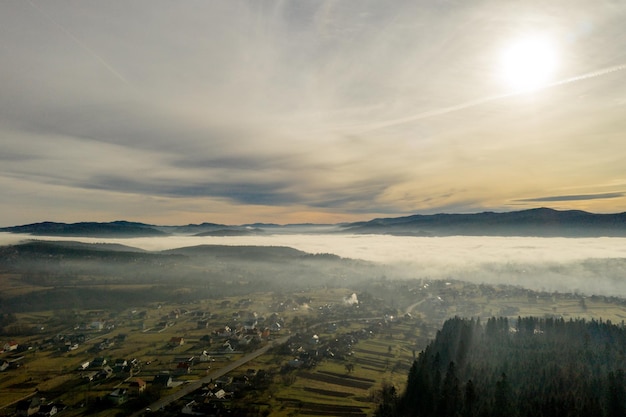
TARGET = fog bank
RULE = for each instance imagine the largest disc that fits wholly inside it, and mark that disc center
(586, 265)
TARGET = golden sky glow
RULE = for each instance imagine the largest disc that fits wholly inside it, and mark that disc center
(244, 111)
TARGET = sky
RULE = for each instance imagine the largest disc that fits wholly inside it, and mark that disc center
(176, 112)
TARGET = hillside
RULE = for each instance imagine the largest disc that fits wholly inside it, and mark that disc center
(42, 275)
(541, 222)
(527, 367)
(87, 229)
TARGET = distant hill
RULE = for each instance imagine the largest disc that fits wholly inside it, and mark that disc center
(542, 222)
(87, 229)
(266, 253)
(232, 232)
(192, 229)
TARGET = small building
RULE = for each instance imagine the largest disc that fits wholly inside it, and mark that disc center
(176, 341)
(89, 376)
(120, 363)
(118, 396)
(136, 386)
(183, 368)
(28, 407)
(106, 372)
(96, 325)
(47, 410)
(163, 380)
(295, 363)
(10, 346)
(98, 362)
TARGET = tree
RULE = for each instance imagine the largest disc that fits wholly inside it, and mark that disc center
(450, 396)
(388, 401)
(502, 403)
(470, 400)
(349, 367)
(615, 394)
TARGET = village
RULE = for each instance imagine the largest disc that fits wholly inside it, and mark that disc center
(271, 350)
(102, 360)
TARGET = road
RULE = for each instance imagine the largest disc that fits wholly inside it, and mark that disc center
(410, 308)
(195, 385)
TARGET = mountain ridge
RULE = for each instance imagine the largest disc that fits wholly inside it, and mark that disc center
(540, 222)
(532, 222)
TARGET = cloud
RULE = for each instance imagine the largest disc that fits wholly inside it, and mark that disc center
(573, 197)
(330, 108)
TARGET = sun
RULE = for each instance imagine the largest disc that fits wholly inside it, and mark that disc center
(528, 64)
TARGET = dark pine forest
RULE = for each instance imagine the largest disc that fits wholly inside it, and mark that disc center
(527, 367)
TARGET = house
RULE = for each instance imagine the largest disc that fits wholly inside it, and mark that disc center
(162, 380)
(96, 325)
(191, 409)
(118, 396)
(136, 386)
(47, 410)
(224, 380)
(224, 332)
(219, 393)
(250, 324)
(295, 363)
(28, 407)
(89, 376)
(176, 341)
(106, 344)
(10, 346)
(226, 348)
(98, 362)
(105, 372)
(183, 368)
(120, 363)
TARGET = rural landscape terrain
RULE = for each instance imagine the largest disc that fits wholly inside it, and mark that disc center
(108, 329)
(358, 208)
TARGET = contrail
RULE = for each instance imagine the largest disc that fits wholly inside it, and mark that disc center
(478, 102)
(81, 44)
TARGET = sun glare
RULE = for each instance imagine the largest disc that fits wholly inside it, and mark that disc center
(528, 64)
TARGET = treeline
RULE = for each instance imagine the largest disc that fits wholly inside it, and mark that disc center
(529, 367)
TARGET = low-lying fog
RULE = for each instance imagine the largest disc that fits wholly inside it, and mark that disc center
(586, 265)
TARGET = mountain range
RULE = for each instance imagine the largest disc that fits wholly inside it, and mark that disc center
(541, 222)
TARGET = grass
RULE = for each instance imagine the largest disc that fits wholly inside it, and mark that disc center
(330, 384)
